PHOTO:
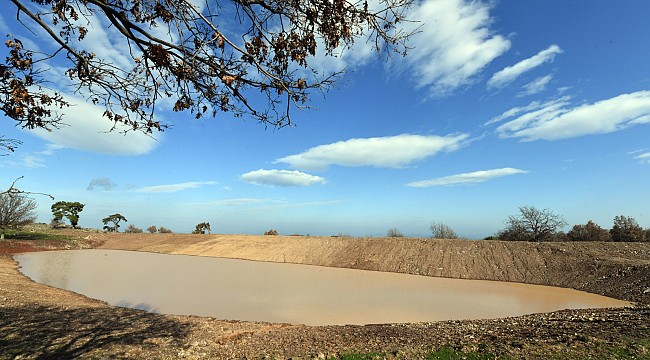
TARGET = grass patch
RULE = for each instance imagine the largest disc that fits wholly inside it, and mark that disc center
(28, 235)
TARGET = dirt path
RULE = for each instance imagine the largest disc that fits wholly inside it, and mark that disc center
(39, 322)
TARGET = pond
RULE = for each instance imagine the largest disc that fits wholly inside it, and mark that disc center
(288, 293)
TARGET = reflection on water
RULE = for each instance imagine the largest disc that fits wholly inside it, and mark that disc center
(274, 292)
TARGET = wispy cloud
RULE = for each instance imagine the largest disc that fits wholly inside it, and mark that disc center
(531, 108)
(390, 151)
(103, 183)
(536, 86)
(36, 159)
(281, 178)
(556, 120)
(510, 73)
(467, 178)
(453, 45)
(176, 187)
(643, 158)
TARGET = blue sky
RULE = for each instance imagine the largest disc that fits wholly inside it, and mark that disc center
(500, 104)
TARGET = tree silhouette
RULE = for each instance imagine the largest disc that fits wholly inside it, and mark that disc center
(115, 219)
(201, 228)
(187, 55)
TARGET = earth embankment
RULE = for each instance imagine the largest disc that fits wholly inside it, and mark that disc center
(619, 270)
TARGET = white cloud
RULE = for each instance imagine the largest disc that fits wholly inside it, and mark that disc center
(175, 187)
(643, 158)
(530, 108)
(556, 120)
(453, 45)
(467, 178)
(86, 129)
(281, 178)
(390, 151)
(536, 86)
(510, 73)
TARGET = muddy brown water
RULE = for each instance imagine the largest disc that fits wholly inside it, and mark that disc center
(288, 293)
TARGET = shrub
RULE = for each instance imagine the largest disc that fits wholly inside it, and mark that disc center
(271, 232)
(393, 232)
(164, 230)
(132, 229)
(152, 229)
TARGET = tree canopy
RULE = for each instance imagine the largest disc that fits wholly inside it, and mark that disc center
(201, 228)
(68, 209)
(115, 219)
(202, 56)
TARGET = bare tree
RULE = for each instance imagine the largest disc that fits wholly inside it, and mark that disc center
(442, 231)
(532, 225)
(190, 52)
(393, 232)
(15, 210)
(152, 229)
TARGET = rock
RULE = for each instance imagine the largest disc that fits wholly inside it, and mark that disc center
(646, 291)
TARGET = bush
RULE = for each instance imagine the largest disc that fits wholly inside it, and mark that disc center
(588, 232)
(164, 230)
(152, 229)
(271, 232)
(393, 232)
(442, 231)
(132, 229)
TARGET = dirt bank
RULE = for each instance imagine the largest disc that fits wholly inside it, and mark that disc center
(619, 270)
(37, 321)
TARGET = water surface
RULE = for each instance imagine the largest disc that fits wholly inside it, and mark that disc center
(288, 293)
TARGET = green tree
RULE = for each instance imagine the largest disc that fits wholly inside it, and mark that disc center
(532, 224)
(181, 54)
(442, 231)
(68, 209)
(115, 219)
(588, 232)
(15, 210)
(201, 228)
(626, 229)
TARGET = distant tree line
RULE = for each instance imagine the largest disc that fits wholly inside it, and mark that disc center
(536, 225)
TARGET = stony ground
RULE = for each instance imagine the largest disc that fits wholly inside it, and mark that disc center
(40, 322)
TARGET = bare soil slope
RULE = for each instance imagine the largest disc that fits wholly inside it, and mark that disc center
(619, 270)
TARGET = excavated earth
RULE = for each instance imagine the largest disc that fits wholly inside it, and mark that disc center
(38, 321)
